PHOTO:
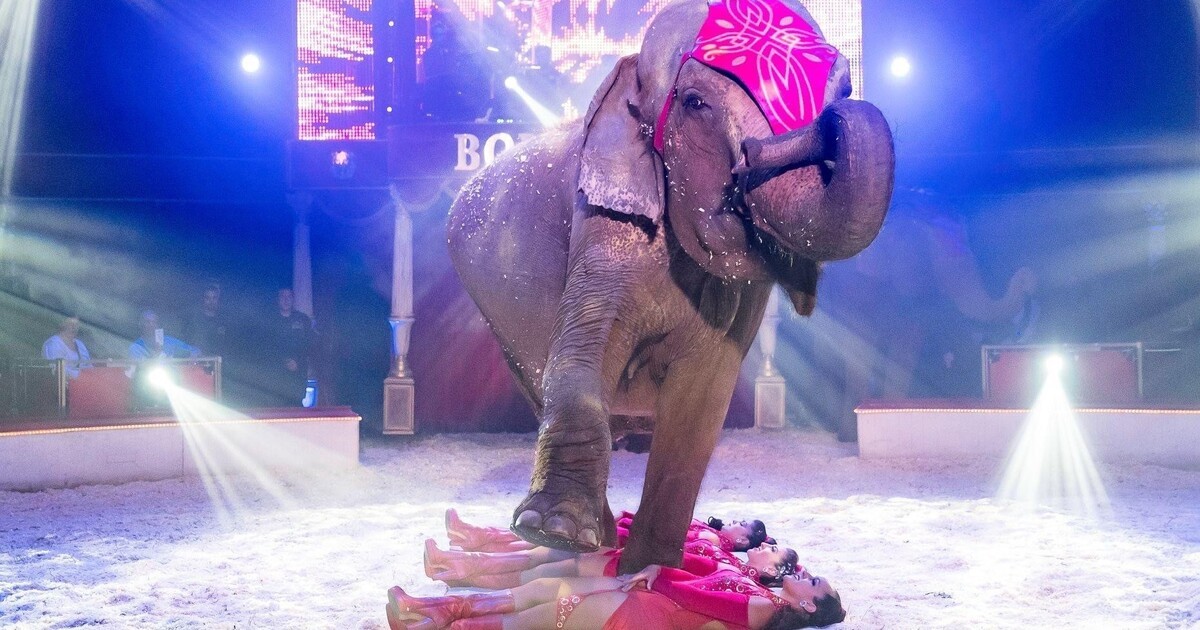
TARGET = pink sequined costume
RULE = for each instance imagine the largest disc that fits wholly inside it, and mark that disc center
(700, 557)
(625, 521)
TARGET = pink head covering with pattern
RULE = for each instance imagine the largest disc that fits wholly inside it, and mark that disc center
(777, 56)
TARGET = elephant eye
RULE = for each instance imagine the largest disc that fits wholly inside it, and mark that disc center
(693, 102)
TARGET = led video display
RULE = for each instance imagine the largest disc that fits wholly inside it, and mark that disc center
(335, 83)
(489, 40)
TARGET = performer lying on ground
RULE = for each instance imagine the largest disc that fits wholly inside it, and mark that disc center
(656, 598)
(769, 563)
(734, 536)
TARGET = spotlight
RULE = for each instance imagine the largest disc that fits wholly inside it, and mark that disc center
(1055, 364)
(342, 165)
(544, 116)
(901, 67)
(159, 377)
(251, 63)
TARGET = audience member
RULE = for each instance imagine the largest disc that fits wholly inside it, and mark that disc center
(287, 346)
(155, 344)
(207, 328)
(67, 345)
(455, 68)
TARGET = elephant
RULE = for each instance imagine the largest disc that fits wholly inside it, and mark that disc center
(624, 263)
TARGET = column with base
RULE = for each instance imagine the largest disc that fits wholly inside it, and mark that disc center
(398, 387)
(770, 390)
(302, 283)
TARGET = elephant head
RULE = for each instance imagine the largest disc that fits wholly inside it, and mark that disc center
(668, 136)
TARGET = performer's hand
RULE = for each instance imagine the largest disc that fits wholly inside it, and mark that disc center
(647, 575)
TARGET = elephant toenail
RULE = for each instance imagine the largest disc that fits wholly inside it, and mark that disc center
(528, 519)
(560, 526)
(588, 537)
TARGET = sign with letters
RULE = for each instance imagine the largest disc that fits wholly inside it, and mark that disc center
(450, 150)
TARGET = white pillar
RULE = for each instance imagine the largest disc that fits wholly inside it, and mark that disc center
(398, 387)
(302, 291)
(770, 390)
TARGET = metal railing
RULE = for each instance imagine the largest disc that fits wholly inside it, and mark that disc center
(39, 387)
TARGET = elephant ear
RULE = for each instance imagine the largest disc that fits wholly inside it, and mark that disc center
(619, 168)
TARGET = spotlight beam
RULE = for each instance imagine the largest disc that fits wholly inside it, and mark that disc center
(1050, 463)
(18, 22)
(219, 448)
(541, 112)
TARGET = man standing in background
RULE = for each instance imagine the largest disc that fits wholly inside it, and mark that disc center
(288, 345)
(207, 328)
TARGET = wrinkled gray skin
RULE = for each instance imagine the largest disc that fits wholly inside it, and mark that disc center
(622, 282)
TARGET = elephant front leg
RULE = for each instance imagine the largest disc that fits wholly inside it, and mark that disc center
(690, 413)
(567, 506)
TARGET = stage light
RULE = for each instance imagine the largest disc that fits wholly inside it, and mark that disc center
(511, 83)
(1055, 364)
(1050, 463)
(159, 377)
(251, 63)
(901, 67)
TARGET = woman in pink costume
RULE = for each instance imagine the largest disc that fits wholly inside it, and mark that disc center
(768, 562)
(656, 598)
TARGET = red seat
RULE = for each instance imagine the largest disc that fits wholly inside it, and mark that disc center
(197, 380)
(99, 392)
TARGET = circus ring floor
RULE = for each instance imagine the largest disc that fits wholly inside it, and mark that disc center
(911, 542)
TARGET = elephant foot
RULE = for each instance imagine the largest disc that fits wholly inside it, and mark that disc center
(548, 520)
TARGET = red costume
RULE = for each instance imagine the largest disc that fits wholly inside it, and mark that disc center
(625, 521)
(682, 601)
(724, 595)
(700, 557)
(647, 609)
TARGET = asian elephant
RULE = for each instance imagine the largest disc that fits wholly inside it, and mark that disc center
(621, 279)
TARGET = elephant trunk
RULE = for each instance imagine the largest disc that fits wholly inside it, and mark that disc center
(822, 191)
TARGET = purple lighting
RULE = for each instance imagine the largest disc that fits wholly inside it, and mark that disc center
(335, 53)
(581, 32)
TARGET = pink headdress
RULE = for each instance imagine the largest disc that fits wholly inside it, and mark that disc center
(772, 51)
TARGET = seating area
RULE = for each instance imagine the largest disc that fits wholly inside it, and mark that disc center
(106, 389)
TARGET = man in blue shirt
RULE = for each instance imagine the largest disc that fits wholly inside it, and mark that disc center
(154, 344)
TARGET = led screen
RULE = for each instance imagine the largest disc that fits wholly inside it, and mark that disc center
(466, 48)
(335, 52)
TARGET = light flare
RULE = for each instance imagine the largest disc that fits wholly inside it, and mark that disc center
(18, 23)
(546, 117)
(1050, 464)
(228, 447)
